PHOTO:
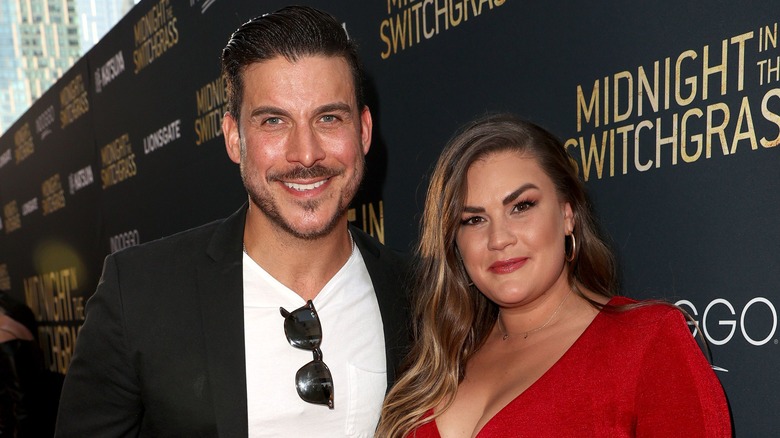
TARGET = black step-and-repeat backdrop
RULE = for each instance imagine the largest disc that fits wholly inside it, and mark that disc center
(670, 110)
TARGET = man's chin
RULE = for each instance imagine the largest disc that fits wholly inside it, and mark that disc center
(308, 221)
(310, 233)
(311, 228)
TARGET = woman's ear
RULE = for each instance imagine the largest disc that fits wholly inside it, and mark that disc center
(568, 218)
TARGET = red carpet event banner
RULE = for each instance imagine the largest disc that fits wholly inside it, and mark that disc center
(670, 111)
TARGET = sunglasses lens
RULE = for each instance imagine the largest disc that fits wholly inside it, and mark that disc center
(303, 329)
(315, 383)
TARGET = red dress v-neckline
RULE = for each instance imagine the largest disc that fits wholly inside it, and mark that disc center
(630, 373)
(546, 375)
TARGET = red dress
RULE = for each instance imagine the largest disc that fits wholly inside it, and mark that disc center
(637, 373)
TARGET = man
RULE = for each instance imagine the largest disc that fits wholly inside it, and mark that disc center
(185, 336)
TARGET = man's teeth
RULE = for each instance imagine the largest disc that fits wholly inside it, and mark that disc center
(303, 187)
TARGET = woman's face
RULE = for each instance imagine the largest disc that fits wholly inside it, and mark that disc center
(512, 230)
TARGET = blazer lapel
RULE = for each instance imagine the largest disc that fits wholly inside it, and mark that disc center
(220, 289)
(389, 276)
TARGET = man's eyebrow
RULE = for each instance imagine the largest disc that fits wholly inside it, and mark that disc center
(336, 107)
(327, 108)
(266, 110)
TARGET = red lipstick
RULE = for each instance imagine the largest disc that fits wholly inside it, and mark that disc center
(507, 266)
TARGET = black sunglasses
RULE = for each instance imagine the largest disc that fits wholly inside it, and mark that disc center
(303, 330)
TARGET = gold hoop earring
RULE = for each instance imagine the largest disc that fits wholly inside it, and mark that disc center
(570, 257)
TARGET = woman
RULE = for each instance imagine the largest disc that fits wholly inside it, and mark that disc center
(518, 329)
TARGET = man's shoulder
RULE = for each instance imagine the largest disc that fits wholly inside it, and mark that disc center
(180, 241)
(188, 244)
(374, 248)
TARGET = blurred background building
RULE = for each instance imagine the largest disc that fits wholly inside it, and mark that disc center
(41, 39)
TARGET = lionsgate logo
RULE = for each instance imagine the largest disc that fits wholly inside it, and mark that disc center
(721, 322)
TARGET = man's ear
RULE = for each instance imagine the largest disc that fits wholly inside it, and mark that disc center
(366, 126)
(232, 137)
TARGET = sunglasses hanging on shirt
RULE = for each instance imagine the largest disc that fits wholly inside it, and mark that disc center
(303, 330)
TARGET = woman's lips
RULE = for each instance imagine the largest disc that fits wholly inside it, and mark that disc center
(507, 266)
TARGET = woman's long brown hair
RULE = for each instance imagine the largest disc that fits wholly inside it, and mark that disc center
(451, 317)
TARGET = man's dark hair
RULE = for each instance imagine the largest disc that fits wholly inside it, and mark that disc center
(292, 32)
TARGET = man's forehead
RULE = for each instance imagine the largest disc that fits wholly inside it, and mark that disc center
(297, 59)
(279, 73)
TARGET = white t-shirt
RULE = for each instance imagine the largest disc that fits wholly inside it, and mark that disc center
(353, 347)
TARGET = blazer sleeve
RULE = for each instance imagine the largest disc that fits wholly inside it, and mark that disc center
(678, 393)
(101, 393)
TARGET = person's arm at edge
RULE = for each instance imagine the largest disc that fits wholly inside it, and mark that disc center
(679, 393)
(101, 393)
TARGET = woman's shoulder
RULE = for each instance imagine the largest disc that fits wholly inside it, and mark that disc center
(641, 313)
(641, 325)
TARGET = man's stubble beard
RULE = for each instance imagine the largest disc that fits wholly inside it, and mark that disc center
(270, 208)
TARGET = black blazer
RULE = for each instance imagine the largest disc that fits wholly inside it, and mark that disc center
(161, 352)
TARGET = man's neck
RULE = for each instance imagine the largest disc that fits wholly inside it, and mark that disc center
(303, 265)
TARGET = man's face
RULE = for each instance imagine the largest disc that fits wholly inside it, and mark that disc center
(301, 143)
